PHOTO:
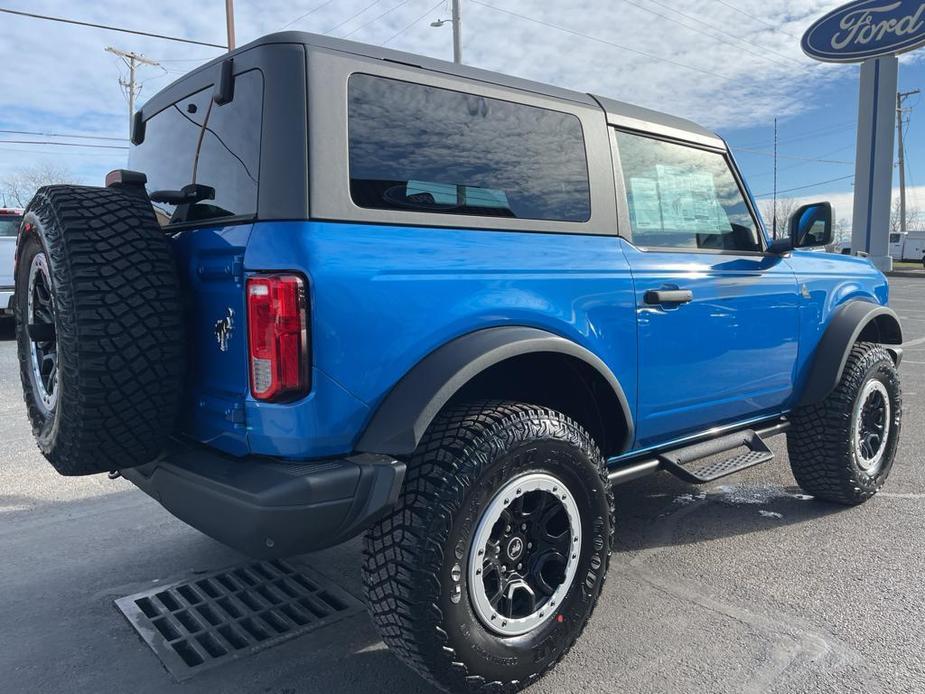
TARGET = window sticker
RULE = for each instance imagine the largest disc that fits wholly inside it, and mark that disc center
(689, 202)
(645, 204)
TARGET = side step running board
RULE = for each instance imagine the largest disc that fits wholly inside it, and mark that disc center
(682, 462)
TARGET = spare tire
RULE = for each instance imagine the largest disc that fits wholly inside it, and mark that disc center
(99, 327)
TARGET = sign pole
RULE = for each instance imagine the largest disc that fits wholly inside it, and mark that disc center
(873, 181)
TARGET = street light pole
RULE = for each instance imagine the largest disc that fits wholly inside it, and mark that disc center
(229, 22)
(456, 21)
(457, 33)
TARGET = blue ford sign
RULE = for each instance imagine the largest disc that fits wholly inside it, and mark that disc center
(867, 29)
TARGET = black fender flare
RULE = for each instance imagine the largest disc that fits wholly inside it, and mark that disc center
(403, 416)
(846, 327)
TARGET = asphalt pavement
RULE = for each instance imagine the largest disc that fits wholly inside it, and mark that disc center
(744, 585)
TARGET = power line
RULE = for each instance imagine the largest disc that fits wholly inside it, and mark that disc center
(791, 156)
(404, 29)
(60, 144)
(711, 27)
(74, 137)
(111, 28)
(377, 18)
(811, 185)
(353, 16)
(303, 16)
(573, 32)
(799, 164)
(836, 128)
(757, 19)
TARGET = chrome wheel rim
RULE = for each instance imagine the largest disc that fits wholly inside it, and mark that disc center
(524, 554)
(872, 426)
(43, 344)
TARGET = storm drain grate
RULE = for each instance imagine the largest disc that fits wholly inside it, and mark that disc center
(197, 624)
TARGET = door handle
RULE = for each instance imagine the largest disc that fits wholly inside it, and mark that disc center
(657, 297)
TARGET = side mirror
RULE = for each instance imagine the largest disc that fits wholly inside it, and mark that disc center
(780, 246)
(811, 226)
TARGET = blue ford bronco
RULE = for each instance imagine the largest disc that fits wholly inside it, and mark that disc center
(342, 289)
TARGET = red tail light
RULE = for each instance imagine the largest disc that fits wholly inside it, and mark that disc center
(277, 336)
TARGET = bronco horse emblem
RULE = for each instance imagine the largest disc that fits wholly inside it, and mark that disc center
(223, 329)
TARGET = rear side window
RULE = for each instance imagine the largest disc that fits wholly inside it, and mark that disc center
(682, 197)
(425, 149)
(9, 225)
(198, 141)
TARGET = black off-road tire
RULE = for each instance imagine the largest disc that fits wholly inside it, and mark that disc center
(821, 441)
(118, 326)
(416, 560)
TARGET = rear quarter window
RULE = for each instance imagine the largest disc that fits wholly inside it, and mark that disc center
(198, 141)
(9, 225)
(420, 148)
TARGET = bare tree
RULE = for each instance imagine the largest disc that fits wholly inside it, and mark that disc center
(784, 209)
(18, 188)
(914, 217)
(842, 232)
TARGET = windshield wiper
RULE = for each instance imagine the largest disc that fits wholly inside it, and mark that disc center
(187, 195)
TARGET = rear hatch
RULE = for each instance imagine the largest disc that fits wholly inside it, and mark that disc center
(216, 146)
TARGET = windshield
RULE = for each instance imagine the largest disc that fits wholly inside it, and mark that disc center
(9, 226)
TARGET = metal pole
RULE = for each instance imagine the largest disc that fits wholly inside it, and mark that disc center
(900, 98)
(457, 32)
(229, 22)
(774, 213)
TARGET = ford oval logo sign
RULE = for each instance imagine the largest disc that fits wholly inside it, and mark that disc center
(867, 29)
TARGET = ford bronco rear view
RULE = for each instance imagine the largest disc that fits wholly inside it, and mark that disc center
(343, 289)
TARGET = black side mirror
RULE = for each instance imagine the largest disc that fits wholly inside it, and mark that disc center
(811, 226)
(780, 246)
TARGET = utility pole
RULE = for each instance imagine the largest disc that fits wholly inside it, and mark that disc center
(900, 122)
(131, 87)
(774, 213)
(456, 21)
(229, 22)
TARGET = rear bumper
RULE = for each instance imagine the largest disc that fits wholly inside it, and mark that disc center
(270, 508)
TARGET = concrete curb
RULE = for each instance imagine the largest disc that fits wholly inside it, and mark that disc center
(920, 274)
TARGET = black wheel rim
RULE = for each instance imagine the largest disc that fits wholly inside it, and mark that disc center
(43, 343)
(524, 554)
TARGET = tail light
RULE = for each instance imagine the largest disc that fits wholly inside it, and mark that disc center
(277, 336)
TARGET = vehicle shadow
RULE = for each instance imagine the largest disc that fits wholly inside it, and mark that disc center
(7, 329)
(649, 512)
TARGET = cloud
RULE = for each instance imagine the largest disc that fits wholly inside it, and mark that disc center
(722, 67)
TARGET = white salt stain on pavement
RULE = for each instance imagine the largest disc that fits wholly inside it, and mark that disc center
(770, 514)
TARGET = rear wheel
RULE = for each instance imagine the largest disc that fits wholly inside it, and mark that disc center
(99, 328)
(492, 562)
(842, 449)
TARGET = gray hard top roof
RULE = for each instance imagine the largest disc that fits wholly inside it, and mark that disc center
(618, 113)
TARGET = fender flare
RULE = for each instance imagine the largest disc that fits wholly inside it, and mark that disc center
(847, 325)
(403, 416)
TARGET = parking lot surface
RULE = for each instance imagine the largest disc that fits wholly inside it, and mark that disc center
(744, 585)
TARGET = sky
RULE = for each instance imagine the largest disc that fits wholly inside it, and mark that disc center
(731, 65)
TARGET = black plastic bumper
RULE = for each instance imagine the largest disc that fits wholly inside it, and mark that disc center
(269, 508)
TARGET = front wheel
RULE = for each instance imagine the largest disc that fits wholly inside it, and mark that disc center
(492, 562)
(842, 449)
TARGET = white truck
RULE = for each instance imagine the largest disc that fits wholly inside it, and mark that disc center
(908, 246)
(9, 227)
